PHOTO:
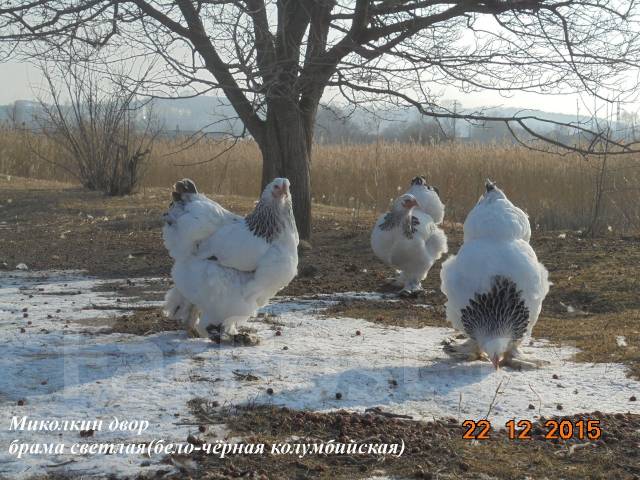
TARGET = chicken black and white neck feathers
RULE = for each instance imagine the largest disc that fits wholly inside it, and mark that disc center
(408, 240)
(402, 219)
(268, 221)
(240, 245)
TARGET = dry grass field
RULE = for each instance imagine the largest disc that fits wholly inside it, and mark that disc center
(558, 192)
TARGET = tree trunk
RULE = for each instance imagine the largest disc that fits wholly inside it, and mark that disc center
(286, 152)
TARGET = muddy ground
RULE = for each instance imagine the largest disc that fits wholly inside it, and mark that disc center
(593, 302)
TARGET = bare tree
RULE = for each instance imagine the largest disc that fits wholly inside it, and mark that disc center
(105, 133)
(274, 59)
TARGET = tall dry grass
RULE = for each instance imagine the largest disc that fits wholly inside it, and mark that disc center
(19, 150)
(557, 192)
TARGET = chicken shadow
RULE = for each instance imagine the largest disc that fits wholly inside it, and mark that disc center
(380, 387)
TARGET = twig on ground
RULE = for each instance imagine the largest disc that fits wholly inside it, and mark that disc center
(382, 413)
(570, 449)
(493, 400)
(55, 465)
(245, 376)
(539, 400)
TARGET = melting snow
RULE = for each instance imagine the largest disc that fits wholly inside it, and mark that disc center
(77, 373)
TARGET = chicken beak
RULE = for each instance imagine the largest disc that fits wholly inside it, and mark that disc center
(285, 189)
(495, 360)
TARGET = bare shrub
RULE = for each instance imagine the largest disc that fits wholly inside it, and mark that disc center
(104, 135)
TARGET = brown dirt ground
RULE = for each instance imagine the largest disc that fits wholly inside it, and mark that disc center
(50, 225)
(433, 449)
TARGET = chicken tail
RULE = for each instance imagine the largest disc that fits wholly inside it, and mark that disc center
(436, 244)
(501, 312)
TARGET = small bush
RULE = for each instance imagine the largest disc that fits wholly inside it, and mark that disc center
(102, 132)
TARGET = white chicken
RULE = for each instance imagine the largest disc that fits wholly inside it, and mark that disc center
(408, 240)
(428, 198)
(494, 285)
(227, 266)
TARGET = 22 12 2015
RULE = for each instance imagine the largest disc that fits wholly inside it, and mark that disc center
(554, 429)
